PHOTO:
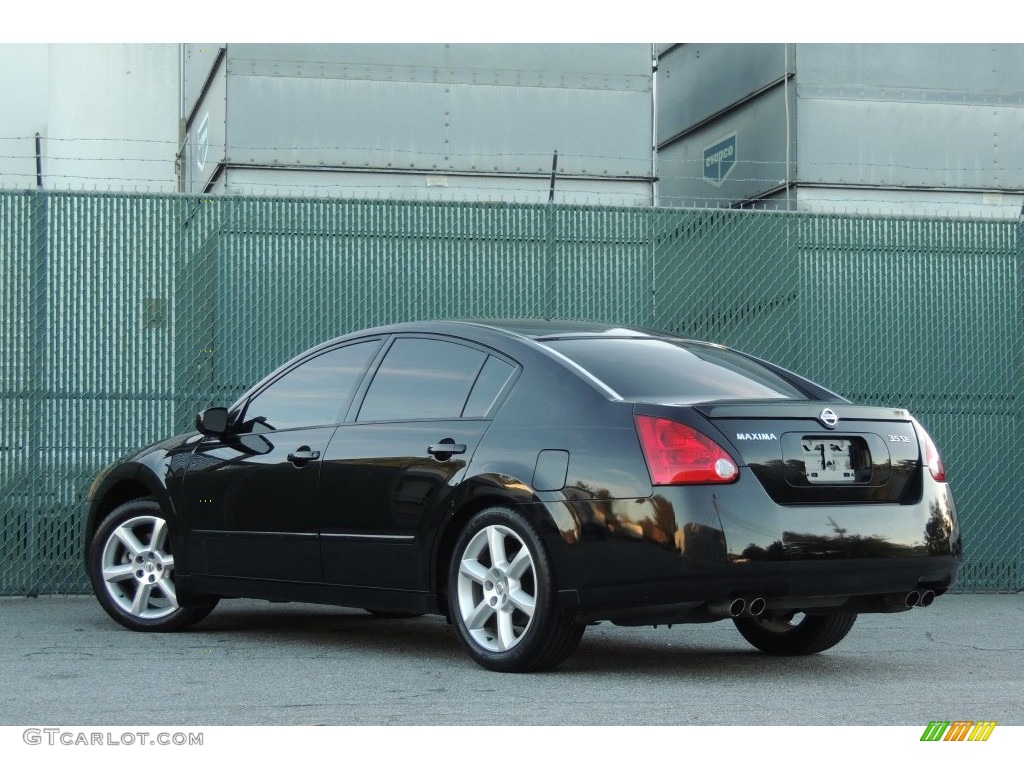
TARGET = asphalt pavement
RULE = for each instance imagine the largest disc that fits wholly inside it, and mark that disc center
(64, 662)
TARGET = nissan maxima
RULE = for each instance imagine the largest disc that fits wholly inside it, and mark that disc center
(525, 479)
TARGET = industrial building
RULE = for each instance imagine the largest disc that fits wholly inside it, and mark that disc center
(920, 129)
(425, 122)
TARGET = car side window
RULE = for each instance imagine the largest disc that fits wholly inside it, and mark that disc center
(492, 379)
(315, 393)
(422, 379)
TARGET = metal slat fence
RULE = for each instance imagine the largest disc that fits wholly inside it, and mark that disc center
(122, 315)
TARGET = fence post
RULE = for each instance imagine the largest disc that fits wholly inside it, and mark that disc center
(1017, 374)
(37, 493)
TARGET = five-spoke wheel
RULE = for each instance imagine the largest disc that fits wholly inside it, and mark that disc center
(501, 596)
(497, 588)
(132, 570)
(137, 567)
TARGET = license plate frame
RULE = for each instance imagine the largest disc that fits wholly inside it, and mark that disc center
(828, 460)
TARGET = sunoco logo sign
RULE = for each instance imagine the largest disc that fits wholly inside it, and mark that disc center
(719, 160)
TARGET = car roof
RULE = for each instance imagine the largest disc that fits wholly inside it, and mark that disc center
(541, 329)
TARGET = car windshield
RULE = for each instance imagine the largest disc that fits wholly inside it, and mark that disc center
(663, 371)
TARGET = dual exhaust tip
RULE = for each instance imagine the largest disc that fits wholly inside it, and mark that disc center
(755, 606)
(737, 607)
(920, 599)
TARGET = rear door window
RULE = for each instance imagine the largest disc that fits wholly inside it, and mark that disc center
(422, 378)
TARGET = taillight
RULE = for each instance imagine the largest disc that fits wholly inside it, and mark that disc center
(677, 454)
(930, 454)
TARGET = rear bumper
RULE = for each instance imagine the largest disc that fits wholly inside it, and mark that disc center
(685, 547)
(854, 586)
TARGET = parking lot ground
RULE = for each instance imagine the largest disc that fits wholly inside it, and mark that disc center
(64, 662)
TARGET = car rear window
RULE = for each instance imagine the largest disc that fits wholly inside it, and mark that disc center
(657, 370)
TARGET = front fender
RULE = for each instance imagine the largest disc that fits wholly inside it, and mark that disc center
(152, 472)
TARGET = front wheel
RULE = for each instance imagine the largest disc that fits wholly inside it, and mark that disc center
(789, 634)
(502, 599)
(131, 567)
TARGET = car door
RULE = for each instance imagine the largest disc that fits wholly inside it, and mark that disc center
(388, 473)
(250, 496)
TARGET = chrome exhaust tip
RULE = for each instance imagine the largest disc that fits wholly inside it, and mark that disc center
(927, 598)
(913, 598)
(756, 606)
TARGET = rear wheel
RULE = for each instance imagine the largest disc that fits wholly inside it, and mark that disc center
(501, 596)
(131, 567)
(795, 634)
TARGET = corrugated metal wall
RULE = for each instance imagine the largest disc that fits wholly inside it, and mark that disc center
(433, 121)
(922, 128)
(121, 316)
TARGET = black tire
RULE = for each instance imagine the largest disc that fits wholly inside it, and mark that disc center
(501, 596)
(131, 568)
(786, 634)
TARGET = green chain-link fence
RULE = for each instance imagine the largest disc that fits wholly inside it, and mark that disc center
(122, 315)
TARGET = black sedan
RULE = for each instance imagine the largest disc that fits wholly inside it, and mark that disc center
(526, 478)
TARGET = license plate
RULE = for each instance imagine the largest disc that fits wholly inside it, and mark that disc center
(828, 461)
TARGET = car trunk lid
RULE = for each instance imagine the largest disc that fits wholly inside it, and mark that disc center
(823, 453)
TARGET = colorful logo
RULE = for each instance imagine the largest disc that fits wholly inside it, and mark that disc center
(958, 730)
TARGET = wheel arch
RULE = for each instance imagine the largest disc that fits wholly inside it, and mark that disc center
(124, 483)
(484, 492)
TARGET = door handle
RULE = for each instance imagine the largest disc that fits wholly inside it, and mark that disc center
(445, 449)
(302, 455)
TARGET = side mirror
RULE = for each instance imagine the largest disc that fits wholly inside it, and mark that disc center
(213, 422)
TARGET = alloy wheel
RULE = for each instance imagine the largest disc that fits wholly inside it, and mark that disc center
(497, 588)
(137, 568)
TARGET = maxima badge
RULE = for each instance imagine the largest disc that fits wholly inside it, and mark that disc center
(829, 418)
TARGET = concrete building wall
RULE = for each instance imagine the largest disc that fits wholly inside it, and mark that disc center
(112, 118)
(107, 116)
(24, 95)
